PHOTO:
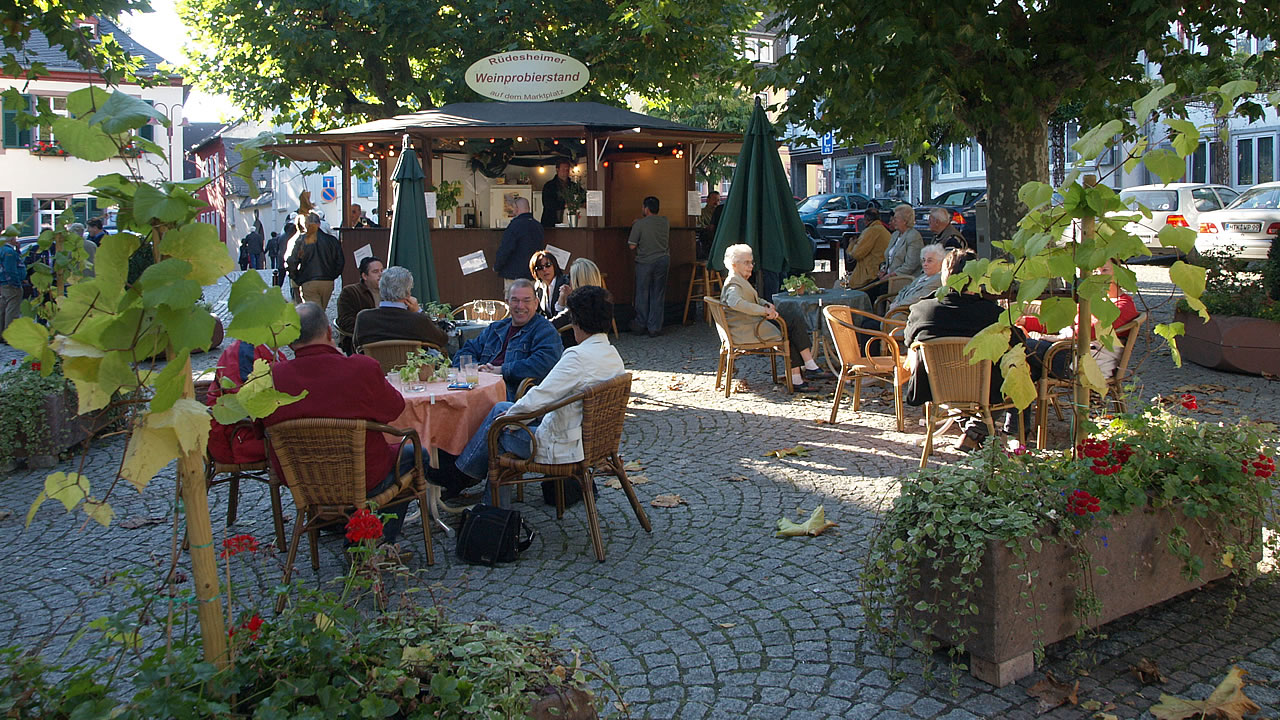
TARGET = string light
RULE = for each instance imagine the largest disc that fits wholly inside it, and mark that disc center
(519, 138)
(555, 142)
(541, 170)
(659, 143)
(606, 163)
(490, 139)
(619, 146)
(637, 166)
(655, 161)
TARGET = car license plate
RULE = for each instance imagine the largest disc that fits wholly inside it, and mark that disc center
(1243, 227)
(832, 221)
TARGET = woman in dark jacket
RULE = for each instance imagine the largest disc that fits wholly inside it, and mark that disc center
(547, 281)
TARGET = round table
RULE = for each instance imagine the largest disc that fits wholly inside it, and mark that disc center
(811, 305)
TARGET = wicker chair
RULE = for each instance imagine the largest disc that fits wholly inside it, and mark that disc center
(854, 345)
(323, 462)
(1051, 388)
(957, 387)
(230, 474)
(391, 354)
(604, 408)
(487, 310)
(730, 350)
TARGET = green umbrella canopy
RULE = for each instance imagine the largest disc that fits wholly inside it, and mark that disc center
(761, 211)
(410, 227)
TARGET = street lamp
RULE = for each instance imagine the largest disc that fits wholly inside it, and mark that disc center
(172, 113)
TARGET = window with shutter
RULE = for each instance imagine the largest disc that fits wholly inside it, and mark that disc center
(148, 131)
(26, 216)
(14, 136)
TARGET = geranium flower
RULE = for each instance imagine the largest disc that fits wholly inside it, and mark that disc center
(364, 525)
(1262, 466)
(237, 544)
(253, 625)
(1189, 402)
(1081, 502)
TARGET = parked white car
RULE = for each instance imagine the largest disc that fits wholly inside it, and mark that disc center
(1178, 204)
(1248, 226)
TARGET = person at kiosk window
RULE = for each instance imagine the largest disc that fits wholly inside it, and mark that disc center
(521, 345)
(553, 194)
(522, 238)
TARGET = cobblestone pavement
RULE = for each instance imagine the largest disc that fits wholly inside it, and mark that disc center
(710, 616)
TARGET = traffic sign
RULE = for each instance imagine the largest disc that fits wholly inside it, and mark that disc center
(326, 181)
(328, 194)
(829, 143)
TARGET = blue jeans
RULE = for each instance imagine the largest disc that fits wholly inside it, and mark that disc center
(474, 460)
(651, 294)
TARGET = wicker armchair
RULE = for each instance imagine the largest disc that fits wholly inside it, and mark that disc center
(323, 462)
(957, 387)
(730, 350)
(855, 346)
(487, 310)
(604, 408)
(894, 283)
(1049, 389)
(230, 474)
(391, 354)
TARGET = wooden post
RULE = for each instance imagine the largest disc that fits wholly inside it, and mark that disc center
(343, 220)
(1084, 321)
(384, 191)
(592, 178)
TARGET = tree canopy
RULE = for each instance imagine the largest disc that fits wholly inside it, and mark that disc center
(319, 64)
(880, 70)
(57, 21)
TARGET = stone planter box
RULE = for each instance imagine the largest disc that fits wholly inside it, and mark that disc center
(1234, 344)
(66, 430)
(1140, 572)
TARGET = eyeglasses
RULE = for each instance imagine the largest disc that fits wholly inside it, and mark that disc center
(542, 266)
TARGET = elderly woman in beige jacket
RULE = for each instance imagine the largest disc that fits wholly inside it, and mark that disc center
(747, 317)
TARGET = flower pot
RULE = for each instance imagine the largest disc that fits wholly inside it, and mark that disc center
(66, 430)
(1234, 344)
(219, 334)
(1140, 571)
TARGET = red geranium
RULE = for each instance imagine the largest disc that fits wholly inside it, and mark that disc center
(237, 544)
(1107, 459)
(1189, 402)
(1081, 502)
(1262, 466)
(35, 366)
(1093, 448)
(253, 625)
(364, 525)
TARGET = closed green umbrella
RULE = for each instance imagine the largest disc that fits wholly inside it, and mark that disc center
(410, 228)
(761, 211)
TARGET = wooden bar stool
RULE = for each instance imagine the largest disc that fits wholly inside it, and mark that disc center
(702, 281)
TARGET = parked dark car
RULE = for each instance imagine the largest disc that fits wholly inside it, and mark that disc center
(835, 224)
(959, 203)
(814, 205)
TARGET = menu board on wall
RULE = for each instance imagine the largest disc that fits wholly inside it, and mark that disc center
(595, 203)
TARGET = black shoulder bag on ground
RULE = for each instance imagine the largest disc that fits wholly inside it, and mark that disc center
(491, 535)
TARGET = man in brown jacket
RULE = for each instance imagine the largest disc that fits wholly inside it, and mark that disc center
(354, 298)
(867, 251)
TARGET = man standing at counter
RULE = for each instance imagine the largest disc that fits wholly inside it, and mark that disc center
(522, 238)
(553, 194)
(650, 238)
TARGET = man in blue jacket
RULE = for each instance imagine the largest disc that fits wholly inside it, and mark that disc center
(523, 345)
(522, 238)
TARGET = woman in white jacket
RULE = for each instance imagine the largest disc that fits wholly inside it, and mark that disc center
(559, 434)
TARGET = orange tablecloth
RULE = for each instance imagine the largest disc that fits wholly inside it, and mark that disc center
(454, 416)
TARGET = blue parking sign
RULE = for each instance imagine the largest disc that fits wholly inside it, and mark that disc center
(326, 181)
(828, 143)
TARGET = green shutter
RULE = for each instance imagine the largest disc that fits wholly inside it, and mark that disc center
(81, 208)
(14, 136)
(148, 131)
(26, 216)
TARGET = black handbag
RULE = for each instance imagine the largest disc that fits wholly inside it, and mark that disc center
(491, 535)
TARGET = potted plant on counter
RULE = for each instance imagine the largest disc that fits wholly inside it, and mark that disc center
(575, 198)
(447, 195)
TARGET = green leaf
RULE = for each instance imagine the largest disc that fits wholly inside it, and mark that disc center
(198, 244)
(99, 511)
(1097, 139)
(1017, 384)
(27, 336)
(1232, 90)
(35, 505)
(261, 314)
(83, 140)
(989, 344)
(1170, 333)
(114, 372)
(1185, 137)
(68, 489)
(228, 410)
(1165, 163)
(167, 283)
(1146, 105)
(1135, 154)
(1191, 279)
(86, 100)
(188, 329)
(170, 382)
(1184, 239)
(1057, 313)
(1030, 289)
(123, 112)
(1034, 194)
(150, 204)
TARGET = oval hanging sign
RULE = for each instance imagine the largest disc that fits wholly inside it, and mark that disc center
(527, 76)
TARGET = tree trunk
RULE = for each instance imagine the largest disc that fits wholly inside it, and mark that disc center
(1016, 155)
(1220, 169)
(926, 181)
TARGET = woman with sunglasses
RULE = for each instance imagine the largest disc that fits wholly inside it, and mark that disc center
(547, 281)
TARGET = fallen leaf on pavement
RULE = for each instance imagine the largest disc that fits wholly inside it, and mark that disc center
(797, 451)
(675, 386)
(1090, 705)
(727, 625)
(616, 484)
(1205, 388)
(1050, 693)
(1148, 672)
(740, 386)
(136, 522)
(1227, 701)
(822, 421)
(814, 526)
(734, 478)
(667, 501)
(633, 466)
(1210, 411)
(5, 513)
(1106, 716)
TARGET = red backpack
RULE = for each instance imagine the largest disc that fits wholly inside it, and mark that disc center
(243, 442)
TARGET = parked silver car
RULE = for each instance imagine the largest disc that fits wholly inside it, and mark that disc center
(1251, 223)
(1177, 204)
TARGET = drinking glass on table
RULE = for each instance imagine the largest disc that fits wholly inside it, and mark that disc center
(471, 370)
